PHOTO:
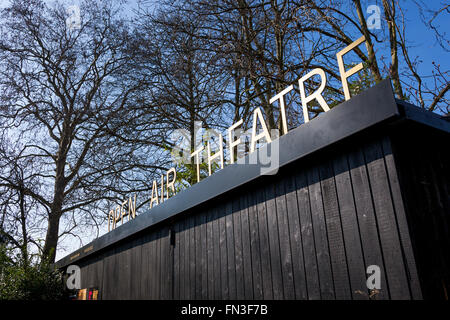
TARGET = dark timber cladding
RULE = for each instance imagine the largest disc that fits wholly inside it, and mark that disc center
(366, 183)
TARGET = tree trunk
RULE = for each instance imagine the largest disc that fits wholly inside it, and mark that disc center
(24, 247)
(51, 239)
(372, 60)
(389, 12)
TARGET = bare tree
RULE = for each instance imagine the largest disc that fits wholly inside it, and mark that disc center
(17, 229)
(69, 102)
(335, 22)
(90, 106)
(187, 85)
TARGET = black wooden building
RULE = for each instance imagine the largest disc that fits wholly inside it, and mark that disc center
(366, 183)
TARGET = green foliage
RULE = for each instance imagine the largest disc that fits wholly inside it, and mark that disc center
(362, 81)
(187, 174)
(20, 281)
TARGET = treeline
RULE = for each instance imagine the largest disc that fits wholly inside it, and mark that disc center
(89, 102)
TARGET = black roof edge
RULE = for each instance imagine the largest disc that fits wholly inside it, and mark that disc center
(365, 110)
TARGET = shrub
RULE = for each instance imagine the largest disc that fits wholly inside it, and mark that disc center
(29, 281)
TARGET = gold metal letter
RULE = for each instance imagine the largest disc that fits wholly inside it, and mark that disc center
(131, 208)
(197, 161)
(217, 154)
(154, 197)
(355, 69)
(162, 188)
(265, 134)
(110, 216)
(171, 183)
(116, 216)
(232, 143)
(280, 96)
(122, 211)
(316, 95)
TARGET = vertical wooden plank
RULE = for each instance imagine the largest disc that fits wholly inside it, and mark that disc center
(334, 233)
(274, 244)
(198, 256)
(238, 248)
(295, 239)
(307, 235)
(107, 270)
(264, 245)
(285, 243)
(92, 281)
(84, 273)
(320, 235)
(91, 272)
(124, 283)
(192, 276)
(187, 257)
(210, 253)
(185, 275)
(404, 233)
(350, 229)
(127, 272)
(135, 268)
(216, 254)
(441, 175)
(96, 273)
(203, 252)
(182, 249)
(99, 275)
(151, 266)
(145, 270)
(423, 218)
(113, 274)
(121, 269)
(152, 271)
(164, 264)
(149, 248)
(115, 294)
(157, 257)
(254, 247)
(230, 250)
(176, 261)
(438, 161)
(154, 268)
(390, 243)
(366, 219)
(223, 254)
(246, 251)
(169, 261)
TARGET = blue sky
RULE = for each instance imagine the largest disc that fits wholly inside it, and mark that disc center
(423, 44)
(422, 40)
